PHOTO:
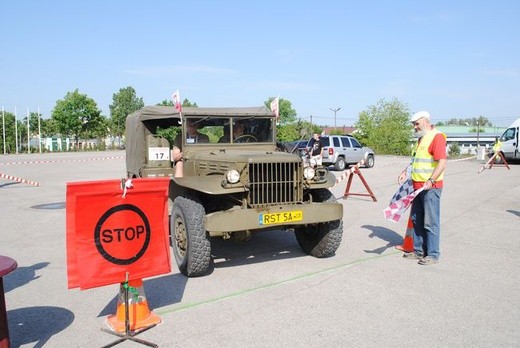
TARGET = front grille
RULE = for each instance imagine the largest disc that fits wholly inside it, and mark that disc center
(213, 167)
(275, 183)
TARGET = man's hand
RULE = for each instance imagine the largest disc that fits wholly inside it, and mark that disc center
(176, 154)
(428, 185)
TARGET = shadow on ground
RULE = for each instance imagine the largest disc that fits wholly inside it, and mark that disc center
(22, 276)
(514, 212)
(160, 291)
(26, 326)
(261, 247)
(391, 238)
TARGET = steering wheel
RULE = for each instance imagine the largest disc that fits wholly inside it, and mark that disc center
(246, 138)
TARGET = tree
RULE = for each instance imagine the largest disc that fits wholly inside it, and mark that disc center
(124, 103)
(188, 104)
(38, 126)
(21, 127)
(385, 127)
(185, 103)
(78, 116)
(165, 102)
(454, 150)
(297, 131)
(481, 121)
(33, 123)
(22, 130)
(10, 142)
(286, 111)
(172, 132)
(287, 132)
(49, 127)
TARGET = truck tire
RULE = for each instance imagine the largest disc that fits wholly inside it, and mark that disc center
(340, 164)
(190, 243)
(324, 238)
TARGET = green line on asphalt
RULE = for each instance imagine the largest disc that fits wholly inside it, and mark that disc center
(266, 286)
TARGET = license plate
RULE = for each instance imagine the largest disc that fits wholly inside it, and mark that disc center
(280, 218)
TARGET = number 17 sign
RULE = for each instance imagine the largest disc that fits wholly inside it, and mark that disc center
(159, 153)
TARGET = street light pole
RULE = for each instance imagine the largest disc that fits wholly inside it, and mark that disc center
(334, 111)
(478, 134)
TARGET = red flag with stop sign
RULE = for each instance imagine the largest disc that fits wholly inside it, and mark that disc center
(112, 230)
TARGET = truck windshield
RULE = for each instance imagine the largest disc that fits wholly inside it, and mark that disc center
(508, 135)
(227, 130)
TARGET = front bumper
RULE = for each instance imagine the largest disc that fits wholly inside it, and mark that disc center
(238, 219)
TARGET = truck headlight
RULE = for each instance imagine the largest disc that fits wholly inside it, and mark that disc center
(232, 176)
(309, 173)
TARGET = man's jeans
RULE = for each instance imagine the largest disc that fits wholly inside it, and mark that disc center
(426, 209)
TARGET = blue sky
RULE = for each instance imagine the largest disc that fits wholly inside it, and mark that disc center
(456, 59)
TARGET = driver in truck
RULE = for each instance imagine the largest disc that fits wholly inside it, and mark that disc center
(238, 133)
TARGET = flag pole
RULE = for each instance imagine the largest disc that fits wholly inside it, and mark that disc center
(28, 133)
(275, 108)
(3, 127)
(176, 99)
(16, 129)
(39, 132)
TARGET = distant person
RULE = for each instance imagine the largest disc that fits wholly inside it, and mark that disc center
(316, 150)
(238, 130)
(427, 170)
(193, 136)
(497, 150)
(192, 133)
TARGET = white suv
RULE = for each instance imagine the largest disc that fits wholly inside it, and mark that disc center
(342, 150)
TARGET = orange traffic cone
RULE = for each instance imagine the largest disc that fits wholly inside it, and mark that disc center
(140, 316)
(407, 245)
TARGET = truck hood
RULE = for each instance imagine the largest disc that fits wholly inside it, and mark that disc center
(244, 156)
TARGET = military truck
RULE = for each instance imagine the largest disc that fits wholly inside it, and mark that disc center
(231, 186)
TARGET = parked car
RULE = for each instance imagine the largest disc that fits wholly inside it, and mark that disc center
(298, 147)
(343, 150)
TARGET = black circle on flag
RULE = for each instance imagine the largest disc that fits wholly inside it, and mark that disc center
(101, 235)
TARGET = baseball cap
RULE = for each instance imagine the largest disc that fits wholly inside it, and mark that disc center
(419, 115)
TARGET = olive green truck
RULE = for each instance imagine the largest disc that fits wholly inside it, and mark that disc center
(231, 186)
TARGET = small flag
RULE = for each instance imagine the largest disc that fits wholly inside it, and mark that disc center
(274, 107)
(404, 190)
(396, 209)
(177, 101)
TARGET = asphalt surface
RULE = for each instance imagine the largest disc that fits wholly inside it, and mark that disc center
(266, 292)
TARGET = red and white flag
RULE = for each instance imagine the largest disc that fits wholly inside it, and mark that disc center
(275, 108)
(176, 98)
(397, 208)
(405, 189)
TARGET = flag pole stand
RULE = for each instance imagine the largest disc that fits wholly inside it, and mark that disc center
(491, 161)
(128, 334)
(497, 158)
(349, 182)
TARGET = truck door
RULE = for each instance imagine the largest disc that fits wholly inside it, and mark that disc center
(509, 140)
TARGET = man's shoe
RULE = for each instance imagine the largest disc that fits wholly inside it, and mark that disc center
(428, 260)
(412, 256)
